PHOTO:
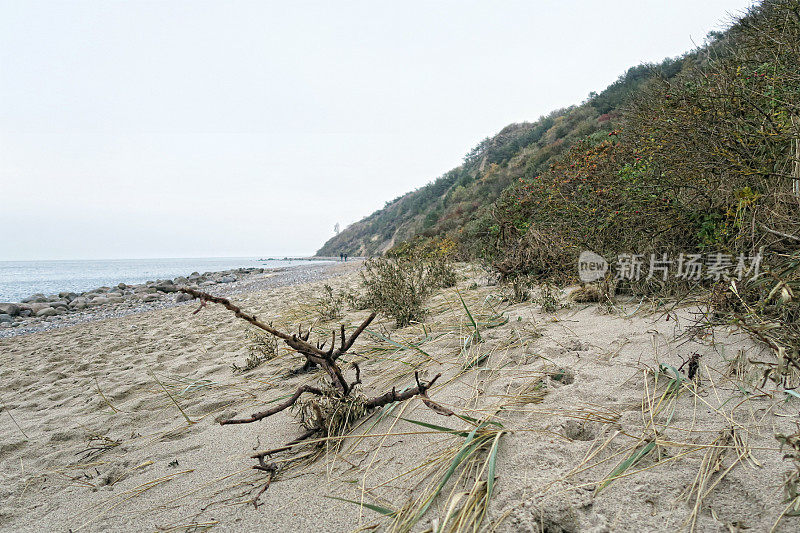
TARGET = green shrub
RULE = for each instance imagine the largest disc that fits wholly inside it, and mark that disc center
(354, 299)
(548, 299)
(435, 254)
(399, 287)
(441, 273)
(329, 305)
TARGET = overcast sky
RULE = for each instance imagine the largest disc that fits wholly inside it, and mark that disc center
(193, 129)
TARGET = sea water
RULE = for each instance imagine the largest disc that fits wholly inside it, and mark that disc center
(20, 279)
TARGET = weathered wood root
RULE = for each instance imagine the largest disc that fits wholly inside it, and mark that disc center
(272, 470)
(378, 401)
(315, 356)
(285, 447)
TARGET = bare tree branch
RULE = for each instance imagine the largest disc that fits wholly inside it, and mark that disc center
(277, 409)
(394, 396)
(316, 356)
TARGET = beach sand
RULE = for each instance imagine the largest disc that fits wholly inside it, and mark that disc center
(111, 425)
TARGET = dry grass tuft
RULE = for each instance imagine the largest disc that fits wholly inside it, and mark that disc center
(586, 294)
(262, 348)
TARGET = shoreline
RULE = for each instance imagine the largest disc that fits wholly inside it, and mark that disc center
(69, 309)
(23, 280)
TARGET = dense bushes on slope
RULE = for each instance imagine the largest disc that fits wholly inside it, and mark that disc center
(705, 161)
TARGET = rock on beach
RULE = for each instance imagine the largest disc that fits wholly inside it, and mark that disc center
(40, 312)
(10, 309)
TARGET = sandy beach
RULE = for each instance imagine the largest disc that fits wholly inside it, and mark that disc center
(112, 424)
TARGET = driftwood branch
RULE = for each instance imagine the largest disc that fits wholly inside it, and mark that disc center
(255, 417)
(394, 396)
(206, 297)
(298, 342)
(358, 376)
(288, 446)
(271, 469)
(316, 356)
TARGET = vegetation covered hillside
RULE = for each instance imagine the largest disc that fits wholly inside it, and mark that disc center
(697, 155)
(704, 162)
(464, 195)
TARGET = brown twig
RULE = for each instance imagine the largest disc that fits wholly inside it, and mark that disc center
(277, 409)
(780, 233)
(394, 396)
(287, 446)
(272, 470)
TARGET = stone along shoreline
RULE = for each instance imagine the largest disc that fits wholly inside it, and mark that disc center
(41, 312)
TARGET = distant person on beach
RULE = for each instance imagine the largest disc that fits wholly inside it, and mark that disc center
(341, 256)
(345, 258)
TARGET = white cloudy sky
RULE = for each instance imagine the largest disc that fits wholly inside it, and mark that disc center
(240, 128)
